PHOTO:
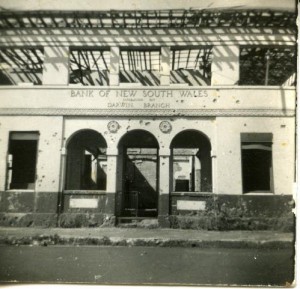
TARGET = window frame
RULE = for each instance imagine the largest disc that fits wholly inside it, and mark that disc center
(9, 168)
(257, 139)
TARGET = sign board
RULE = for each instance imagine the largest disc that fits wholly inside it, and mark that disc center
(191, 205)
(83, 203)
(141, 98)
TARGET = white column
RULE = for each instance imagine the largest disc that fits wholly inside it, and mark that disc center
(164, 182)
(63, 169)
(225, 65)
(114, 70)
(214, 178)
(165, 66)
(56, 66)
(111, 184)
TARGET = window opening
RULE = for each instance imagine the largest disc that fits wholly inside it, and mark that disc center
(86, 162)
(268, 66)
(191, 163)
(140, 66)
(21, 65)
(191, 66)
(89, 67)
(257, 170)
(22, 159)
(187, 170)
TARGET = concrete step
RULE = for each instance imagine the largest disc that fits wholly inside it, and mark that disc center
(137, 222)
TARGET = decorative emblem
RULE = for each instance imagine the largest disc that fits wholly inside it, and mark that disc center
(113, 126)
(165, 126)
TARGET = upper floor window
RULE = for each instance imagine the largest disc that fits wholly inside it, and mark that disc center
(268, 66)
(191, 66)
(140, 66)
(21, 65)
(22, 158)
(89, 66)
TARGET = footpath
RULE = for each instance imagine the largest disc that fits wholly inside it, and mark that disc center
(144, 237)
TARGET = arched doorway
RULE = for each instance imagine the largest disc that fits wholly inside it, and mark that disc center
(191, 165)
(139, 154)
(86, 161)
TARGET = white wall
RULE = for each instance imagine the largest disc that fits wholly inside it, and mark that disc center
(228, 151)
(223, 132)
(49, 145)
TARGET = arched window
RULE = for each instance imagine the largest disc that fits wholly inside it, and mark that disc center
(191, 162)
(86, 161)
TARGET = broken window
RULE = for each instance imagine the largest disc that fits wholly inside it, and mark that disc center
(186, 170)
(191, 66)
(140, 66)
(22, 158)
(257, 171)
(86, 162)
(89, 66)
(268, 66)
(21, 65)
(191, 162)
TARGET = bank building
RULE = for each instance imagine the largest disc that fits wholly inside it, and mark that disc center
(177, 113)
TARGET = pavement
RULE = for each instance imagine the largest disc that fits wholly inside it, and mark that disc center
(144, 237)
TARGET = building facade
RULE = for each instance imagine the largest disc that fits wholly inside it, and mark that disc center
(184, 116)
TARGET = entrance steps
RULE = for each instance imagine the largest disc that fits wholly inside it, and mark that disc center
(137, 222)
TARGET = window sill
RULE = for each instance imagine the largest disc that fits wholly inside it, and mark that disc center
(84, 192)
(20, 191)
(258, 193)
(191, 193)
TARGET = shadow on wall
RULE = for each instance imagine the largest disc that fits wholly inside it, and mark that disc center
(141, 176)
(86, 161)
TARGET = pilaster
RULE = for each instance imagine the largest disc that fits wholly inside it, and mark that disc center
(114, 79)
(56, 66)
(165, 66)
(225, 65)
(164, 188)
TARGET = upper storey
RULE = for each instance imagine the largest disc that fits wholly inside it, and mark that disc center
(150, 43)
(144, 44)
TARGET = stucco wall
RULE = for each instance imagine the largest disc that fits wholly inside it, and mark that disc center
(228, 170)
(223, 132)
(49, 148)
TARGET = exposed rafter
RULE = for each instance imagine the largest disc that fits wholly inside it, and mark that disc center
(268, 66)
(89, 66)
(147, 19)
(21, 65)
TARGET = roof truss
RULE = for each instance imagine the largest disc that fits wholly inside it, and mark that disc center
(148, 19)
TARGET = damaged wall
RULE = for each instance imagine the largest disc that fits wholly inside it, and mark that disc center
(37, 206)
(228, 152)
(233, 212)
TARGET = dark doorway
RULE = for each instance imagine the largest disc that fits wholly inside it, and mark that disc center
(257, 171)
(22, 159)
(140, 174)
